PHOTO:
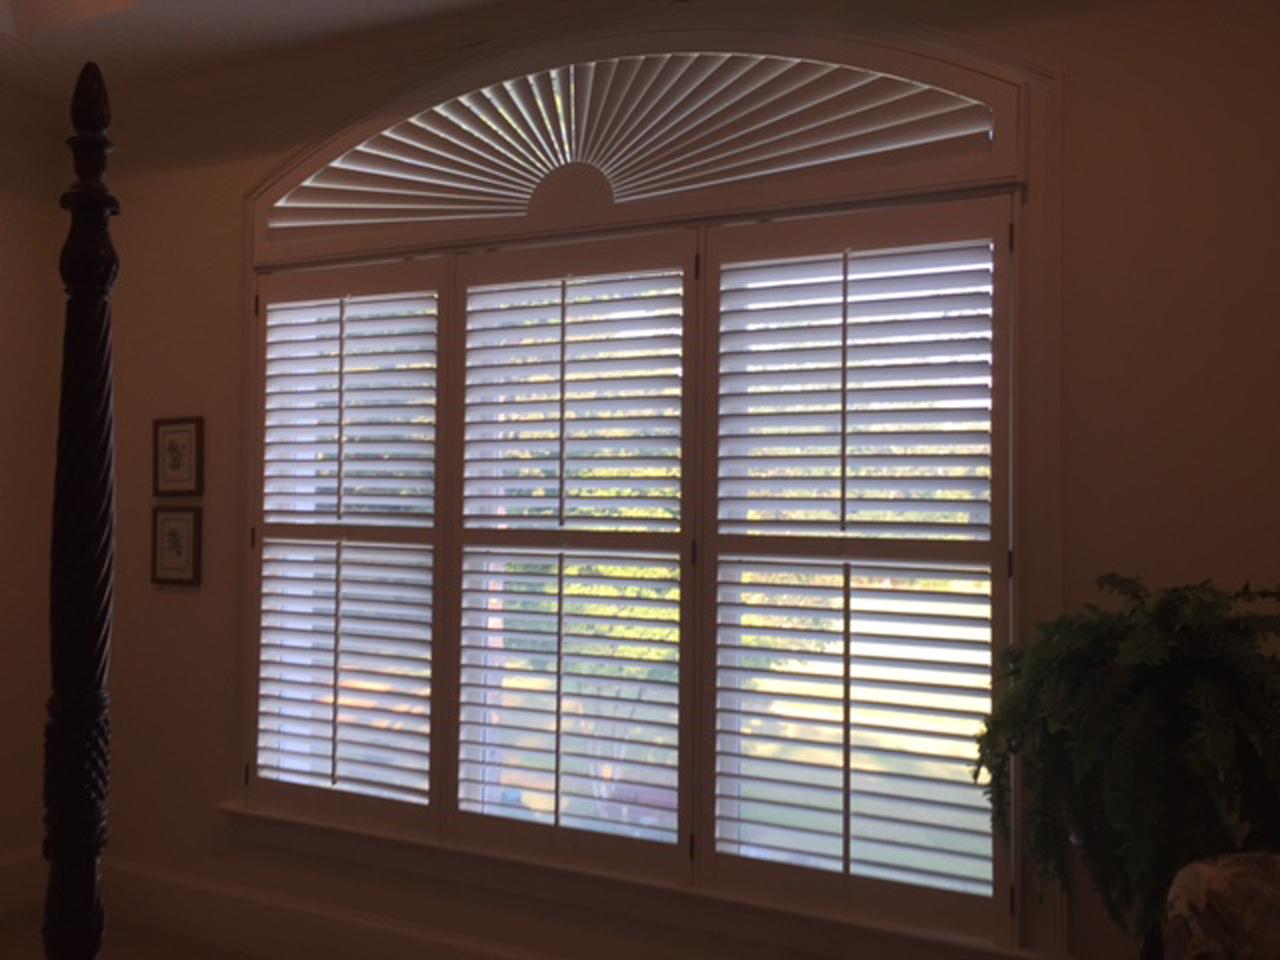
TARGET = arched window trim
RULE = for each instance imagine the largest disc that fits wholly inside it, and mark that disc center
(816, 187)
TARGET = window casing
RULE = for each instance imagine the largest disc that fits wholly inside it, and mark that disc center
(382, 193)
(531, 570)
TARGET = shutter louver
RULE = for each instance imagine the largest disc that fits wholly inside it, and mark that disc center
(296, 662)
(389, 409)
(513, 406)
(655, 126)
(569, 696)
(345, 667)
(350, 411)
(303, 399)
(574, 404)
(855, 395)
(847, 699)
(780, 704)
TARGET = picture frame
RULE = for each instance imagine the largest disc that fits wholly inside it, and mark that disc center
(177, 457)
(176, 545)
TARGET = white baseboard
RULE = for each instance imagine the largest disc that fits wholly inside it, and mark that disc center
(240, 923)
(154, 913)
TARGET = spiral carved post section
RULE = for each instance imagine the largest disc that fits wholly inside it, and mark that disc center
(77, 734)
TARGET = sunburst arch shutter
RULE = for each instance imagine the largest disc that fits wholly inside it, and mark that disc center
(655, 126)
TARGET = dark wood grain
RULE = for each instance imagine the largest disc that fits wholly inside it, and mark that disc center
(77, 735)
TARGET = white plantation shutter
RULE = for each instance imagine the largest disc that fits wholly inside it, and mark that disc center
(571, 537)
(574, 403)
(847, 699)
(570, 695)
(346, 603)
(855, 542)
(855, 394)
(350, 411)
(655, 125)
(345, 667)
(825, 526)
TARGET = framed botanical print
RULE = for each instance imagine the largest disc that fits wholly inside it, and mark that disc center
(175, 545)
(178, 457)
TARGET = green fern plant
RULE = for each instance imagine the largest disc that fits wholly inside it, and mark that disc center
(1148, 736)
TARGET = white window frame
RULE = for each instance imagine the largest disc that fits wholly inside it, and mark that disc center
(1026, 104)
(693, 862)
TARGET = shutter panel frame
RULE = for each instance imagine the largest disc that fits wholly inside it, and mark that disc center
(385, 661)
(344, 694)
(931, 325)
(575, 384)
(671, 254)
(350, 436)
(944, 222)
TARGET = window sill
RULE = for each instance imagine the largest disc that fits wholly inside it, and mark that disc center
(686, 911)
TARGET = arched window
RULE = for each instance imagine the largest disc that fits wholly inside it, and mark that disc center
(635, 488)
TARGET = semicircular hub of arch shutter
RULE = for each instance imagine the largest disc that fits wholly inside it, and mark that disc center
(654, 126)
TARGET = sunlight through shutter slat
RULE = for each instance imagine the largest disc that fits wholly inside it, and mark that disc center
(345, 668)
(574, 402)
(872, 675)
(570, 689)
(856, 395)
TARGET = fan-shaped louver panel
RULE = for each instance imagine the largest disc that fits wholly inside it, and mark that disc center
(855, 394)
(350, 411)
(344, 696)
(570, 700)
(847, 700)
(574, 403)
(653, 125)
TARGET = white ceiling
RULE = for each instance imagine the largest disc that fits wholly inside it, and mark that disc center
(44, 42)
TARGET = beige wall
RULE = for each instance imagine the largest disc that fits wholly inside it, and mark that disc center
(1168, 333)
(30, 339)
(1168, 407)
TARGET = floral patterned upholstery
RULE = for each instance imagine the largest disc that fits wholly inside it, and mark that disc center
(1225, 908)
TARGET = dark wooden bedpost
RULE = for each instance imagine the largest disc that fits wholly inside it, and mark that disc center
(77, 735)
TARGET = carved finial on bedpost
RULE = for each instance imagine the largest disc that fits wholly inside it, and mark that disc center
(82, 578)
(89, 263)
(90, 105)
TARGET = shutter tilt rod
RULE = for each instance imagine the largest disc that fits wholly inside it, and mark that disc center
(82, 575)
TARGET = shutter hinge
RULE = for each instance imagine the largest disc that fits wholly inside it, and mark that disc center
(1010, 564)
(257, 305)
(697, 266)
(246, 774)
(253, 537)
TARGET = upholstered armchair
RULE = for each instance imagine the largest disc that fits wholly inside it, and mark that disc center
(1225, 908)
